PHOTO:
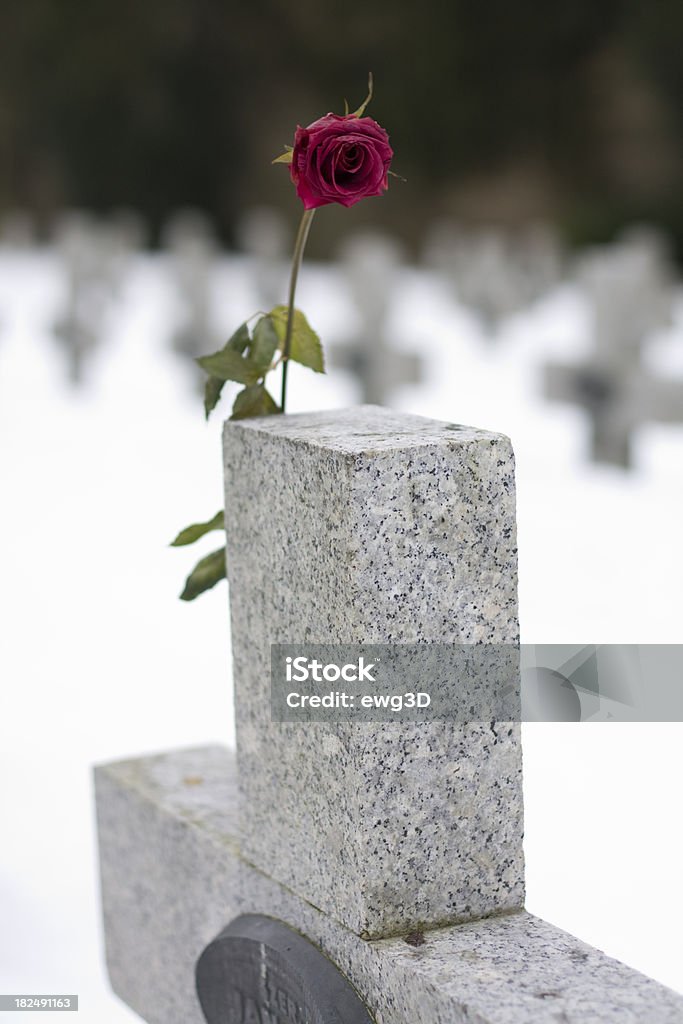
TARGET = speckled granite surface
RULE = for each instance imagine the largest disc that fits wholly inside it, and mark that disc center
(169, 873)
(368, 526)
(172, 878)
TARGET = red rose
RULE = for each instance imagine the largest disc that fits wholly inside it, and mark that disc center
(340, 159)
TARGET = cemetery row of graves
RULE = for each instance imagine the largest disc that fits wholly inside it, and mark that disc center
(629, 288)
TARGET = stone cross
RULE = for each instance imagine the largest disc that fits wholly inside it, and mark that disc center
(630, 293)
(127, 235)
(495, 272)
(264, 237)
(192, 247)
(350, 871)
(94, 255)
(371, 264)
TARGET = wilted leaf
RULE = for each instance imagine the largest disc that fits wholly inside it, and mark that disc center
(192, 533)
(306, 348)
(206, 574)
(254, 401)
(229, 365)
(214, 385)
(286, 157)
(239, 340)
(212, 393)
(263, 345)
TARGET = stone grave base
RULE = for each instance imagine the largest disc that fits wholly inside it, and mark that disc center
(173, 878)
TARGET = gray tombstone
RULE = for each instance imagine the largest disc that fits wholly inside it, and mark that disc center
(629, 288)
(126, 235)
(264, 237)
(193, 250)
(371, 264)
(93, 254)
(495, 272)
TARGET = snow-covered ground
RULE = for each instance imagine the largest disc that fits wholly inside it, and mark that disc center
(99, 660)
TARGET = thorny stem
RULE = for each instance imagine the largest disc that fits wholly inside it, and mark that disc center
(299, 246)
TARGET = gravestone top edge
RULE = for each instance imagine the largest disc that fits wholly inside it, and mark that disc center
(363, 430)
(196, 784)
(128, 769)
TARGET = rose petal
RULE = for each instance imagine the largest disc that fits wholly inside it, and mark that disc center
(340, 159)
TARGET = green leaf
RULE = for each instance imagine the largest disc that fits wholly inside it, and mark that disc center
(212, 393)
(263, 344)
(239, 340)
(192, 533)
(214, 385)
(206, 574)
(286, 157)
(254, 401)
(229, 365)
(361, 109)
(306, 348)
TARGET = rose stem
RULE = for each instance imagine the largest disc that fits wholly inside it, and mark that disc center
(299, 246)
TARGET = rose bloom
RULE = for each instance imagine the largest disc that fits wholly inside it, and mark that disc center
(340, 159)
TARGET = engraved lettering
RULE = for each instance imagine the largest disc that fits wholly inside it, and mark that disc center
(250, 1013)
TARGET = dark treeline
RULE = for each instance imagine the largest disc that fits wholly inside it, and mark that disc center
(497, 111)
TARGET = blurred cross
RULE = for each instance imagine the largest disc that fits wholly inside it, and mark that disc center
(264, 237)
(630, 293)
(494, 272)
(95, 256)
(371, 264)
(192, 247)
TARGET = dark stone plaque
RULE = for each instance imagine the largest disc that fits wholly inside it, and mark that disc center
(260, 971)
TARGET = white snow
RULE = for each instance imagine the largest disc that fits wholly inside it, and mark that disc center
(99, 660)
